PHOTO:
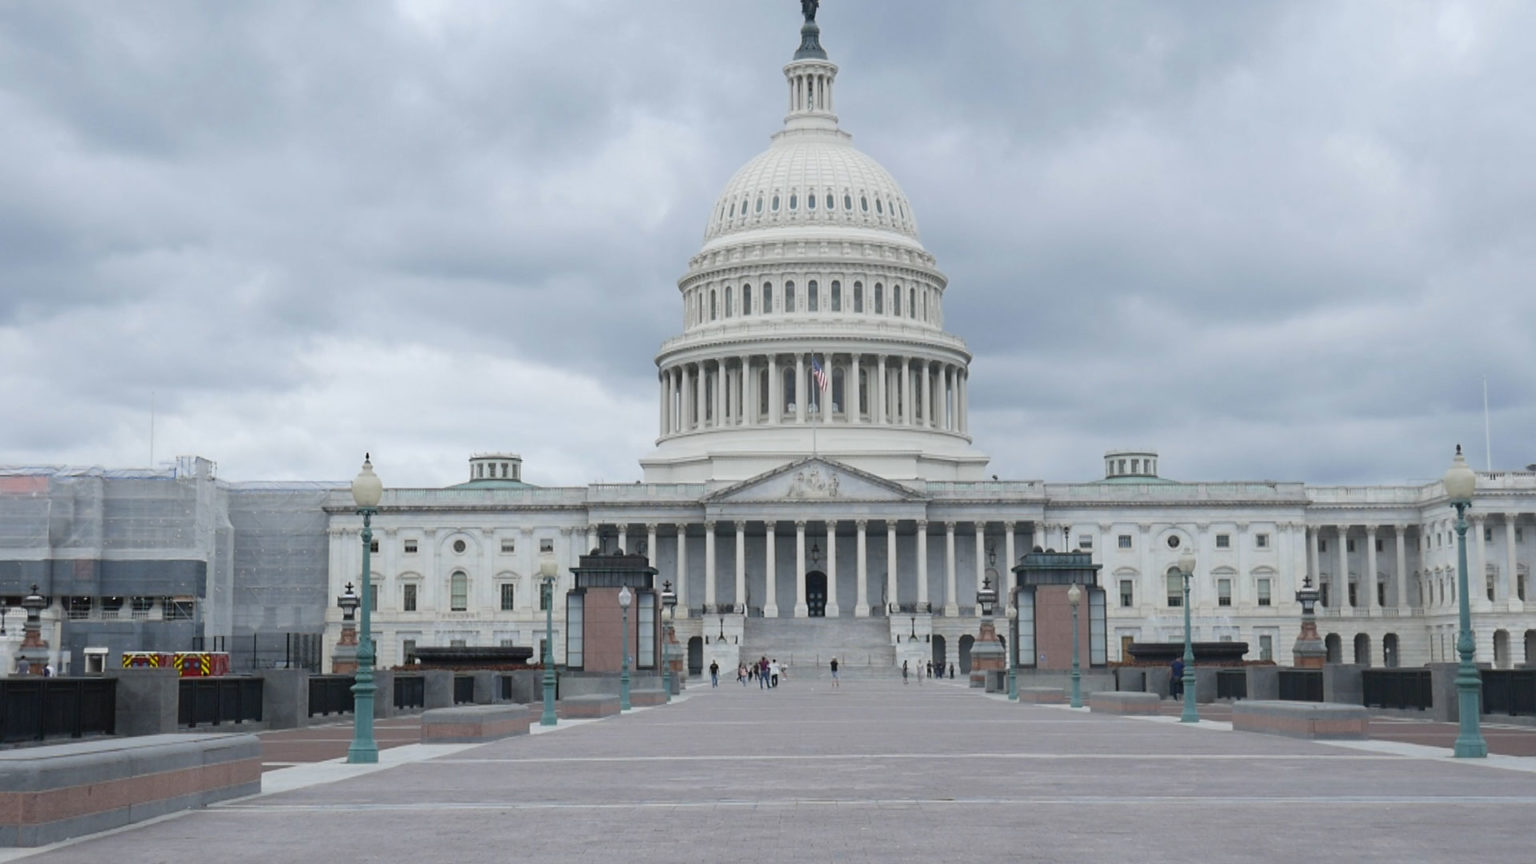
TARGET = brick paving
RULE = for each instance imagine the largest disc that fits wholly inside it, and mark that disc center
(285, 748)
(873, 771)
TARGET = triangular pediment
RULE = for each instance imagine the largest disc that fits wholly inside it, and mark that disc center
(814, 479)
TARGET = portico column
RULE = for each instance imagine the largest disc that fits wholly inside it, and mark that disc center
(709, 566)
(890, 564)
(927, 395)
(852, 410)
(1341, 579)
(591, 539)
(682, 565)
(700, 389)
(682, 398)
(623, 537)
(770, 573)
(981, 554)
(651, 552)
(832, 610)
(741, 566)
(904, 418)
(1509, 554)
(801, 611)
(1314, 562)
(775, 401)
(1477, 579)
(719, 393)
(1399, 542)
(800, 392)
(862, 610)
(877, 405)
(1004, 594)
(965, 402)
(1368, 583)
(749, 397)
(661, 383)
(951, 605)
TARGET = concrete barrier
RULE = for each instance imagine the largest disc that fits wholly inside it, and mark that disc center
(647, 698)
(1301, 719)
(55, 792)
(1042, 695)
(1105, 702)
(587, 707)
(465, 724)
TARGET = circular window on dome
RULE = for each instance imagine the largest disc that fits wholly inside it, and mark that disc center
(459, 547)
(759, 204)
(1173, 541)
(864, 203)
(793, 200)
(847, 201)
(775, 205)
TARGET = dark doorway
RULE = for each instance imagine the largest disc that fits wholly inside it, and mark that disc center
(816, 594)
(696, 656)
(966, 642)
(939, 655)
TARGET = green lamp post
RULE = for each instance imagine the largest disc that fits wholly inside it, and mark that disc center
(1190, 715)
(367, 489)
(1074, 597)
(1013, 645)
(1460, 482)
(669, 605)
(548, 570)
(625, 598)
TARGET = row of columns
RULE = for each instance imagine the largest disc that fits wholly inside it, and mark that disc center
(725, 392)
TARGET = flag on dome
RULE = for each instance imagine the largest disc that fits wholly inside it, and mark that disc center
(819, 374)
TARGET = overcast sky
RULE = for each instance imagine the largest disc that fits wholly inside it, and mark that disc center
(1270, 240)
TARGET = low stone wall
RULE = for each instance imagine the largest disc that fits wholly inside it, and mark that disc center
(1043, 695)
(1301, 719)
(465, 724)
(647, 698)
(1123, 703)
(52, 793)
(587, 707)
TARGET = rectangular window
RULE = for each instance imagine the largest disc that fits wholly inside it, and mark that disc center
(373, 546)
(79, 608)
(544, 600)
(1127, 593)
(456, 643)
(179, 608)
(1352, 599)
(546, 545)
(1124, 541)
(458, 592)
(1261, 541)
(1266, 648)
(1378, 545)
(507, 591)
(858, 298)
(1223, 592)
(410, 547)
(812, 296)
(1263, 592)
(1223, 541)
(508, 546)
(408, 650)
(1175, 590)
(837, 296)
(408, 597)
(373, 597)
(1322, 545)
(1487, 535)
(1085, 541)
(141, 606)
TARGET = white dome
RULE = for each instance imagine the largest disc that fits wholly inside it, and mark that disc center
(811, 178)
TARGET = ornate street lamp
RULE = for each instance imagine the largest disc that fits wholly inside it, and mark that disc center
(3, 609)
(1074, 597)
(986, 598)
(1460, 482)
(1190, 715)
(1013, 645)
(344, 659)
(625, 597)
(669, 605)
(548, 570)
(367, 489)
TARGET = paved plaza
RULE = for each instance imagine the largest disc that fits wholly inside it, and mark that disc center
(872, 771)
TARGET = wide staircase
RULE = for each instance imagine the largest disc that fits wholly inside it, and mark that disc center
(862, 646)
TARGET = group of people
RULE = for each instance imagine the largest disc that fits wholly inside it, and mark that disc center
(767, 673)
(933, 670)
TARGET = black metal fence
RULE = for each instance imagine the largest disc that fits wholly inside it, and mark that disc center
(330, 694)
(1231, 684)
(1301, 685)
(1509, 691)
(253, 651)
(1397, 688)
(410, 691)
(212, 701)
(463, 689)
(33, 709)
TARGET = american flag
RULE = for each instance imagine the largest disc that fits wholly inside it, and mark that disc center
(822, 382)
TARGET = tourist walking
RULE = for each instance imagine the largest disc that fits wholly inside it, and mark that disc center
(903, 671)
(741, 674)
(834, 672)
(714, 673)
(1176, 678)
(762, 673)
(773, 672)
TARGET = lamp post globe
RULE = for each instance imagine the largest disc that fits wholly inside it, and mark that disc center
(1190, 714)
(625, 598)
(1074, 597)
(549, 568)
(1460, 484)
(367, 491)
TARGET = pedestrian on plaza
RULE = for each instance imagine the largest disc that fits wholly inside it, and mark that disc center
(714, 673)
(930, 668)
(48, 671)
(762, 673)
(903, 671)
(834, 672)
(773, 672)
(951, 671)
(23, 666)
(1176, 678)
(741, 674)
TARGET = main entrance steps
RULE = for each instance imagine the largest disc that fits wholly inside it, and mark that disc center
(862, 646)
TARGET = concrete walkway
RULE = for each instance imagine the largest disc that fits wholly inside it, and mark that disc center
(872, 771)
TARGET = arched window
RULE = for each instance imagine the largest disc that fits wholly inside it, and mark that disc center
(858, 297)
(762, 393)
(746, 299)
(458, 591)
(794, 202)
(759, 206)
(837, 390)
(863, 393)
(767, 297)
(864, 203)
(810, 201)
(1175, 581)
(789, 296)
(878, 208)
(789, 390)
(729, 305)
(775, 204)
(879, 299)
(712, 308)
(911, 302)
(733, 210)
(812, 296)
(831, 202)
(847, 202)
(896, 300)
(837, 296)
